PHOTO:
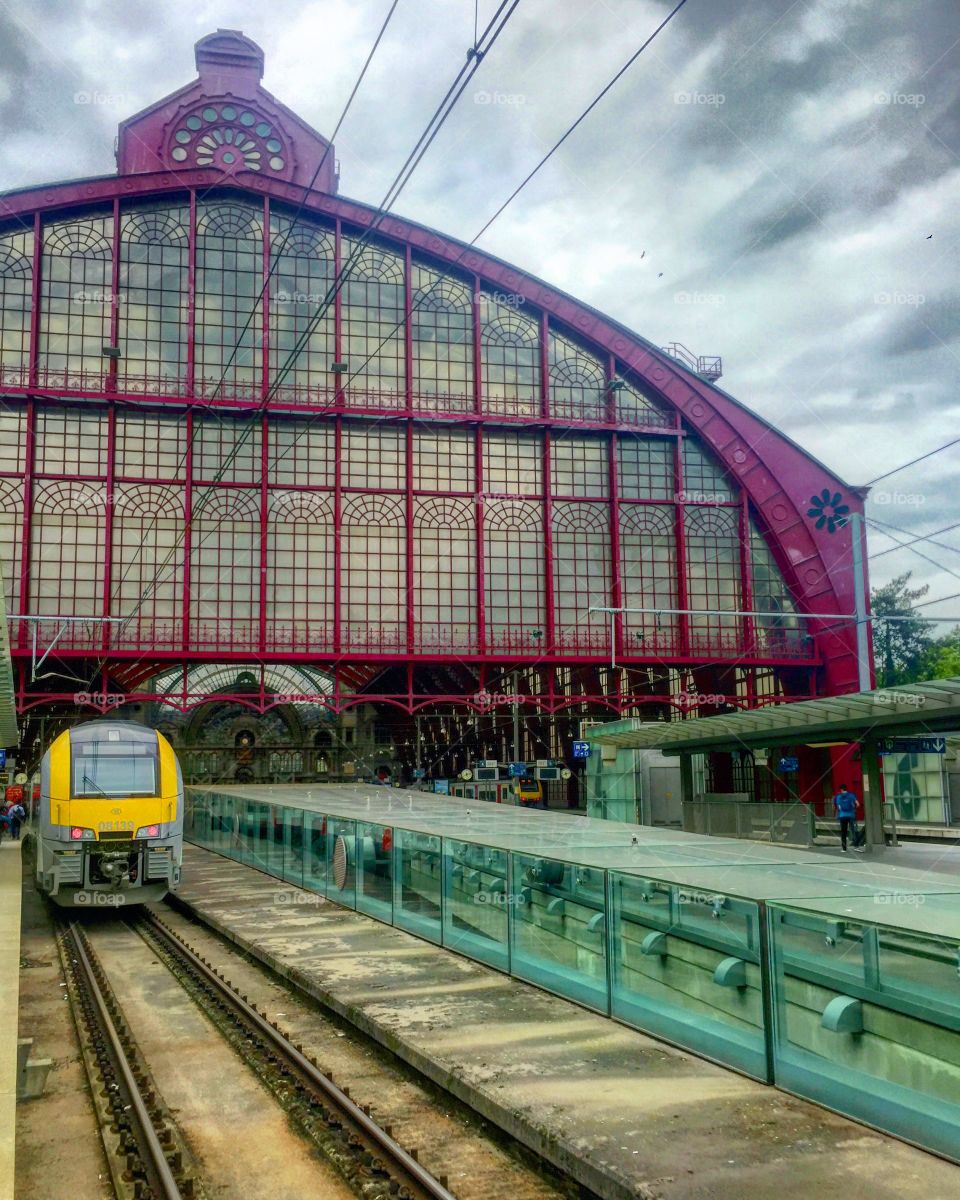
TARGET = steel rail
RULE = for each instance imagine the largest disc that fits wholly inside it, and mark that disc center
(158, 1157)
(384, 1143)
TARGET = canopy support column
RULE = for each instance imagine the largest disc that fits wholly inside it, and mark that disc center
(872, 793)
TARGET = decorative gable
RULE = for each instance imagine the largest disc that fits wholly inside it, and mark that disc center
(227, 122)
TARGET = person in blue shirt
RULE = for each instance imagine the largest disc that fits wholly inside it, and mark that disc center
(845, 807)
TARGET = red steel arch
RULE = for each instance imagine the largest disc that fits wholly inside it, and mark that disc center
(580, 357)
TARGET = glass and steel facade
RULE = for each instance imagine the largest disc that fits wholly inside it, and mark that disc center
(836, 982)
(411, 463)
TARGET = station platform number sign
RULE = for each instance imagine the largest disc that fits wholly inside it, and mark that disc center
(581, 749)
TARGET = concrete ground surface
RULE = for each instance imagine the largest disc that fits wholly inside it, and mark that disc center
(626, 1115)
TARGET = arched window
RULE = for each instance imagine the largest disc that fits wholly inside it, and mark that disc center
(154, 251)
(67, 551)
(372, 336)
(300, 571)
(16, 280)
(514, 571)
(648, 577)
(713, 576)
(373, 565)
(442, 335)
(581, 574)
(510, 342)
(444, 579)
(146, 571)
(225, 568)
(228, 313)
(11, 526)
(77, 300)
(301, 299)
(577, 382)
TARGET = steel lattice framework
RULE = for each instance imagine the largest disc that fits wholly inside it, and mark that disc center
(458, 466)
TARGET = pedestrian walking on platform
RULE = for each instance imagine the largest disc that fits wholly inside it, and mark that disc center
(16, 815)
(845, 808)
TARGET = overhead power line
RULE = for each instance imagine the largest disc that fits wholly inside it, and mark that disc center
(583, 116)
(913, 462)
(921, 537)
(912, 548)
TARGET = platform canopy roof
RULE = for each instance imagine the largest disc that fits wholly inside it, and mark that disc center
(914, 710)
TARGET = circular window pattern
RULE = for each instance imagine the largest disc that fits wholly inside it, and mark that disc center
(224, 136)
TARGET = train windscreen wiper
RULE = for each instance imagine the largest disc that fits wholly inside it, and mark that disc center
(94, 784)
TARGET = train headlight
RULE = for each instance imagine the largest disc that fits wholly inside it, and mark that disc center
(81, 835)
(148, 831)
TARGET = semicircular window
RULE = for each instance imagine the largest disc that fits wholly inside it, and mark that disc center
(230, 137)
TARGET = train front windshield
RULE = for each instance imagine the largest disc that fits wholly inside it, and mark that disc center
(100, 769)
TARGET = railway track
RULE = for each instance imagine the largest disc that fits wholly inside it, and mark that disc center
(144, 1151)
(366, 1154)
(150, 1158)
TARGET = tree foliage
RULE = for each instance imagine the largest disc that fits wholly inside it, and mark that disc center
(903, 650)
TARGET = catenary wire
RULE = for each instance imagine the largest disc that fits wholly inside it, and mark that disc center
(913, 462)
(919, 537)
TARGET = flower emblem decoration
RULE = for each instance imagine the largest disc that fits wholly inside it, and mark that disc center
(229, 137)
(829, 510)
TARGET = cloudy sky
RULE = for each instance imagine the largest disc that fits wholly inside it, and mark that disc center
(792, 169)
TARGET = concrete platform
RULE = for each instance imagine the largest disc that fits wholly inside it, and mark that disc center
(624, 1114)
(10, 895)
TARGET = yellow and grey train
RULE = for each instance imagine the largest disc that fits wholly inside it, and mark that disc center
(110, 828)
